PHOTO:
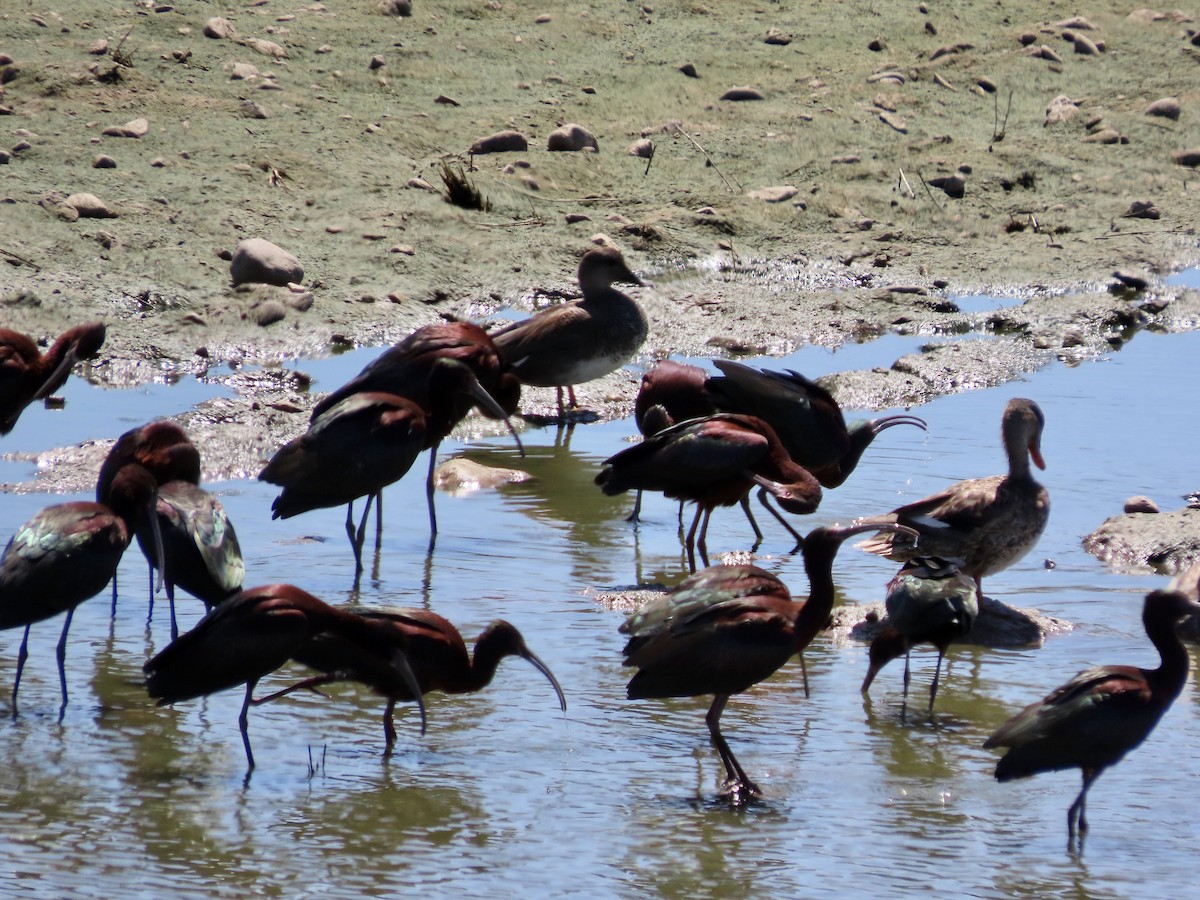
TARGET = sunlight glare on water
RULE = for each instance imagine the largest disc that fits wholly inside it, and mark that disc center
(505, 795)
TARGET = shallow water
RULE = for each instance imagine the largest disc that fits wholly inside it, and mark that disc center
(506, 795)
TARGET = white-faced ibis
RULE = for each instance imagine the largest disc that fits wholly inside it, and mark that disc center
(359, 446)
(726, 628)
(200, 547)
(713, 461)
(1093, 720)
(928, 601)
(251, 635)
(580, 340)
(27, 374)
(435, 650)
(670, 393)
(987, 523)
(65, 555)
(406, 370)
(806, 417)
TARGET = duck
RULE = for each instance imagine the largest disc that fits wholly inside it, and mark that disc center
(580, 340)
(987, 523)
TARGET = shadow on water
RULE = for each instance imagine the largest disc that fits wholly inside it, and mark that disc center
(505, 795)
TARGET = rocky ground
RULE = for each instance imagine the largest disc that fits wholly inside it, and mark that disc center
(814, 178)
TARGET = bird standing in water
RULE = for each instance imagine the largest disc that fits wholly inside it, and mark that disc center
(726, 628)
(251, 635)
(986, 523)
(27, 374)
(435, 651)
(928, 601)
(713, 461)
(1093, 720)
(580, 340)
(68, 553)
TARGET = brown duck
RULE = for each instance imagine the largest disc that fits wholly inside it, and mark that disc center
(988, 523)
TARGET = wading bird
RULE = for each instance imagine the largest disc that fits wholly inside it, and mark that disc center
(200, 547)
(580, 340)
(27, 374)
(435, 650)
(726, 628)
(807, 419)
(987, 523)
(251, 635)
(65, 555)
(929, 601)
(713, 461)
(1101, 714)
(359, 446)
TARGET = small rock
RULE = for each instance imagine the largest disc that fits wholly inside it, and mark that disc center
(950, 50)
(252, 110)
(243, 71)
(894, 121)
(99, 47)
(461, 476)
(877, 45)
(543, 19)
(643, 148)
(1044, 52)
(1085, 46)
(500, 142)
(218, 28)
(1189, 158)
(1167, 108)
(776, 194)
(1061, 109)
(256, 260)
(268, 312)
(446, 101)
(742, 93)
(986, 85)
(1076, 22)
(301, 302)
(402, 8)
(954, 185)
(689, 70)
(104, 162)
(888, 76)
(1027, 38)
(134, 128)
(573, 218)
(572, 137)
(266, 48)
(1106, 136)
(377, 62)
(1142, 209)
(89, 206)
(1131, 281)
(777, 37)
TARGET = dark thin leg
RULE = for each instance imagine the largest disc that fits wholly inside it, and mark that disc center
(736, 780)
(114, 599)
(379, 521)
(61, 653)
(702, 542)
(308, 684)
(150, 610)
(389, 728)
(758, 535)
(764, 497)
(562, 412)
(690, 540)
(22, 655)
(637, 509)
(907, 678)
(350, 534)
(243, 723)
(429, 488)
(171, 602)
(936, 674)
(804, 674)
(574, 404)
(1078, 811)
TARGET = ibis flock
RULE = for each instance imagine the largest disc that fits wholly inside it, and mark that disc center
(707, 439)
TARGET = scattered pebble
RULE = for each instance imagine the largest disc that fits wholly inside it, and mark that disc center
(258, 261)
(1142, 209)
(500, 142)
(643, 148)
(1167, 108)
(134, 128)
(219, 28)
(777, 37)
(894, 121)
(1044, 52)
(1129, 280)
(402, 8)
(99, 47)
(268, 312)
(689, 70)
(572, 137)
(1106, 136)
(955, 186)
(89, 206)
(266, 48)
(877, 45)
(1190, 158)
(1061, 109)
(377, 62)
(243, 71)
(104, 162)
(1085, 46)
(742, 93)
(776, 194)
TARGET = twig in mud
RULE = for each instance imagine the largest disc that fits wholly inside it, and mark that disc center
(21, 259)
(707, 159)
(649, 161)
(932, 198)
(999, 129)
(908, 187)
